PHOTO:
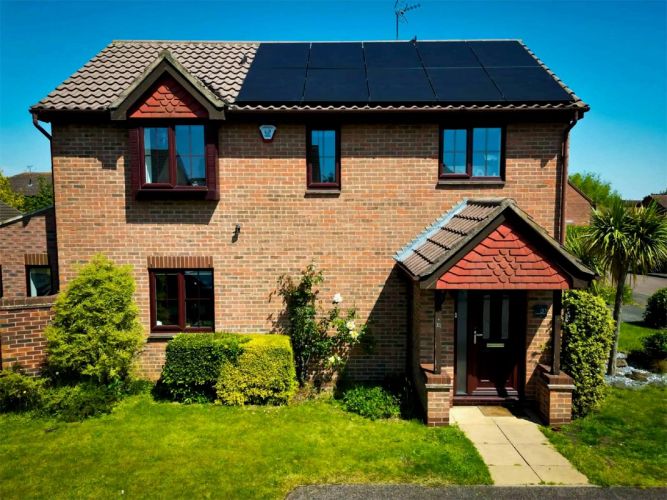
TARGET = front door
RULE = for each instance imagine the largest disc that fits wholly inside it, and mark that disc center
(495, 336)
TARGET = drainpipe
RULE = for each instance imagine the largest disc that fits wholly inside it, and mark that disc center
(565, 155)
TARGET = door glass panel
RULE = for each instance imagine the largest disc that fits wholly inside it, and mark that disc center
(504, 318)
(486, 317)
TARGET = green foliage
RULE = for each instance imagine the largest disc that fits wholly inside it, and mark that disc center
(321, 339)
(371, 402)
(263, 374)
(655, 314)
(588, 331)
(655, 345)
(78, 402)
(595, 188)
(95, 332)
(8, 195)
(19, 392)
(43, 198)
(193, 362)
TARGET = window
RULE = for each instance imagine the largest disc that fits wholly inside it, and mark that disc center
(323, 157)
(174, 156)
(472, 153)
(182, 300)
(39, 280)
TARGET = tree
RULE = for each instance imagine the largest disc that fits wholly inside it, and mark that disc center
(43, 198)
(595, 188)
(626, 240)
(9, 196)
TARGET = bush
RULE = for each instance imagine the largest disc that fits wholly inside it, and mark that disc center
(78, 402)
(19, 392)
(371, 402)
(655, 345)
(263, 374)
(588, 332)
(656, 309)
(95, 333)
(193, 362)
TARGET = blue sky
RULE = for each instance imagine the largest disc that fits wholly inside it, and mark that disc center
(612, 53)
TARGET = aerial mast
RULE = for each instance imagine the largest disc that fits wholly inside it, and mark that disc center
(400, 9)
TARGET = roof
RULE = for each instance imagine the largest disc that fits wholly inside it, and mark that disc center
(7, 212)
(584, 195)
(456, 230)
(25, 217)
(27, 183)
(492, 75)
(660, 199)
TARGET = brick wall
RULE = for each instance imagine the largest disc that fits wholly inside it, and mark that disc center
(538, 336)
(389, 194)
(554, 396)
(22, 323)
(577, 207)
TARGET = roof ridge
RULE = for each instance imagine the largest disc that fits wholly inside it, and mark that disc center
(122, 41)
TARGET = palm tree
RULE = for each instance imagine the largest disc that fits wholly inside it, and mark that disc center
(626, 240)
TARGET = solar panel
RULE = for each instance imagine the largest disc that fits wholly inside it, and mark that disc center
(447, 55)
(463, 85)
(399, 85)
(273, 85)
(336, 55)
(281, 55)
(391, 55)
(502, 54)
(527, 84)
(336, 85)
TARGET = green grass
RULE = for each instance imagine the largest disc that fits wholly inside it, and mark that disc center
(151, 449)
(630, 338)
(623, 443)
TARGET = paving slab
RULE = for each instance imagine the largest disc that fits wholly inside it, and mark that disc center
(558, 474)
(499, 454)
(468, 414)
(541, 454)
(504, 475)
(484, 433)
(522, 434)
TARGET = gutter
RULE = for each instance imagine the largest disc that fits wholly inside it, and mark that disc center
(565, 155)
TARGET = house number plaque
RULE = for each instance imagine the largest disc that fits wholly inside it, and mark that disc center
(540, 310)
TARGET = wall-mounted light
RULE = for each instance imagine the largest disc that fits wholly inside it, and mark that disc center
(267, 131)
(237, 231)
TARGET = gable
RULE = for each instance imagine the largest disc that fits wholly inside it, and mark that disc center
(167, 99)
(505, 259)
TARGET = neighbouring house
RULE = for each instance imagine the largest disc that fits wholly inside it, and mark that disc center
(660, 201)
(7, 212)
(578, 206)
(427, 179)
(27, 183)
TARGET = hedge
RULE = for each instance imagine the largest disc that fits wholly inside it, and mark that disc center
(263, 374)
(656, 309)
(193, 363)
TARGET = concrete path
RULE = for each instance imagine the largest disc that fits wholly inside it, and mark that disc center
(514, 449)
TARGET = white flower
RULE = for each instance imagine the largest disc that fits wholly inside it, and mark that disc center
(338, 298)
(354, 335)
(350, 325)
(332, 359)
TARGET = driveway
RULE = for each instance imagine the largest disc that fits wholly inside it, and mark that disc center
(642, 288)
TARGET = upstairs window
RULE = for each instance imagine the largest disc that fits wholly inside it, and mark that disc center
(174, 156)
(472, 153)
(39, 281)
(323, 158)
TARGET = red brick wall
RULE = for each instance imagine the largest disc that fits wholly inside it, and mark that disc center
(34, 237)
(389, 194)
(577, 208)
(538, 336)
(22, 323)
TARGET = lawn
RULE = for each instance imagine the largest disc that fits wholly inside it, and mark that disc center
(623, 443)
(151, 449)
(630, 338)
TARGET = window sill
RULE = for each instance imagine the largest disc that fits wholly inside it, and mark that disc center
(322, 192)
(471, 182)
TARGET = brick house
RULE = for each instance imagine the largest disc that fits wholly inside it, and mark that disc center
(212, 168)
(579, 207)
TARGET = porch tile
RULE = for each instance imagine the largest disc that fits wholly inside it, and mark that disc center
(560, 474)
(541, 454)
(513, 475)
(519, 433)
(499, 454)
(483, 433)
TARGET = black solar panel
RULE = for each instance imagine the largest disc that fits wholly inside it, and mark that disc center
(399, 85)
(463, 85)
(502, 54)
(391, 55)
(336, 55)
(527, 84)
(273, 85)
(447, 55)
(336, 85)
(281, 55)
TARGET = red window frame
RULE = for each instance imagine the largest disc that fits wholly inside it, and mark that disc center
(309, 173)
(167, 329)
(469, 153)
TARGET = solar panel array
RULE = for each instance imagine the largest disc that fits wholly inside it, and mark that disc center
(398, 72)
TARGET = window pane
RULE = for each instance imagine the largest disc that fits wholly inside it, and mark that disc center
(40, 281)
(198, 284)
(190, 164)
(454, 145)
(323, 155)
(156, 154)
(166, 286)
(199, 313)
(166, 313)
(486, 146)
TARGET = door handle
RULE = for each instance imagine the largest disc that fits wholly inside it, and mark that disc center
(475, 335)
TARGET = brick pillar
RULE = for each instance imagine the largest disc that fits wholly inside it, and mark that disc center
(554, 396)
(436, 395)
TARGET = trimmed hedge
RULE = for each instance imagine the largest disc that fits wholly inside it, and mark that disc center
(263, 374)
(193, 363)
(656, 309)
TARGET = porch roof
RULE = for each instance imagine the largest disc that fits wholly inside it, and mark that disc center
(458, 231)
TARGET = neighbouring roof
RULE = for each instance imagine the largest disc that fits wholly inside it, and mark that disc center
(584, 195)
(660, 199)
(457, 229)
(24, 217)
(7, 212)
(328, 76)
(27, 183)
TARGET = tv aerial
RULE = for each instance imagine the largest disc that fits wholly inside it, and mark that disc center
(400, 9)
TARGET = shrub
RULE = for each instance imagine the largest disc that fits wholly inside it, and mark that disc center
(371, 402)
(193, 362)
(263, 374)
(95, 333)
(588, 332)
(19, 392)
(655, 345)
(656, 309)
(78, 402)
